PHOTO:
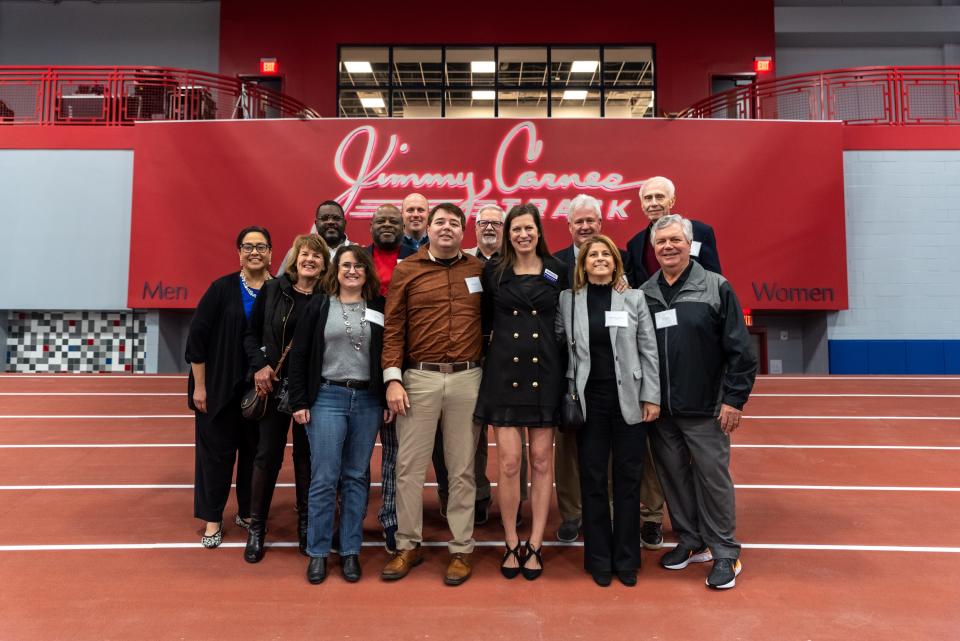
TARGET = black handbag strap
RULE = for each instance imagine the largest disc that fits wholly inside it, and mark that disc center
(573, 337)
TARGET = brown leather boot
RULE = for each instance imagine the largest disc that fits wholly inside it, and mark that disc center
(402, 562)
(459, 569)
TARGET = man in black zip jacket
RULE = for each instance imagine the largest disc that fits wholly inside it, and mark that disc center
(707, 370)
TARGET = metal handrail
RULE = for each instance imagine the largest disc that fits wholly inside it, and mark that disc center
(113, 96)
(862, 95)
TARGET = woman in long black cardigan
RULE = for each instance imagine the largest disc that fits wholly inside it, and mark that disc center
(218, 370)
(281, 302)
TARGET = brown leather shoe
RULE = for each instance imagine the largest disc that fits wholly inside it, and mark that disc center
(459, 569)
(402, 562)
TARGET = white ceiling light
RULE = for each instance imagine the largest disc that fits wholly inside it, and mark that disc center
(483, 95)
(584, 66)
(357, 66)
(372, 101)
(482, 66)
(575, 94)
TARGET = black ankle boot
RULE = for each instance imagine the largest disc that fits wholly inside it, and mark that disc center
(302, 531)
(301, 477)
(253, 553)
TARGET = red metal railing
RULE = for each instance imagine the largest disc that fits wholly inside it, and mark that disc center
(122, 95)
(861, 96)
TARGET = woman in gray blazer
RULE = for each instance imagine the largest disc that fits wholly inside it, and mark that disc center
(615, 370)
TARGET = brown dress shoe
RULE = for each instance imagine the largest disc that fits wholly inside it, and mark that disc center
(402, 562)
(459, 569)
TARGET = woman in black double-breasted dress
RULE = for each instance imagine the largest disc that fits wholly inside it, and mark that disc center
(523, 374)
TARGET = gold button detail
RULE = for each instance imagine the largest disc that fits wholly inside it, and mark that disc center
(534, 312)
(535, 359)
(516, 335)
(516, 313)
(516, 384)
(516, 359)
(535, 384)
(536, 335)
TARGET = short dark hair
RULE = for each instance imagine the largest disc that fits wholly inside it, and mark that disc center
(450, 208)
(371, 286)
(251, 229)
(332, 203)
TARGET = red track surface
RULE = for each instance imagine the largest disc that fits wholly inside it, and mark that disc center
(191, 593)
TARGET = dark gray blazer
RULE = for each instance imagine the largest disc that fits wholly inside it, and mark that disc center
(634, 347)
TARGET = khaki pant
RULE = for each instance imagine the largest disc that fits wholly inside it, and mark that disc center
(449, 399)
(651, 494)
(567, 475)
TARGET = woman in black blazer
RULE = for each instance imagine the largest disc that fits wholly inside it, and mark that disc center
(218, 370)
(523, 376)
(271, 328)
(336, 390)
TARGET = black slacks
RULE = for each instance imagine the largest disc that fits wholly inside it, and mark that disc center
(271, 447)
(610, 547)
(222, 440)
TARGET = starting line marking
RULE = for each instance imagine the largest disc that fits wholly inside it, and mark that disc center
(496, 544)
(189, 486)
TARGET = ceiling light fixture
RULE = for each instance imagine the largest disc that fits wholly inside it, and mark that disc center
(482, 66)
(584, 66)
(575, 94)
(357, 66)
(483, 94)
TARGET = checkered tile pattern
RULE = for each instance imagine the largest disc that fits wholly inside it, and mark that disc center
(76, 341)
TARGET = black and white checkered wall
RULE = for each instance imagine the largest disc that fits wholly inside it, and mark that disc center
(76, 341)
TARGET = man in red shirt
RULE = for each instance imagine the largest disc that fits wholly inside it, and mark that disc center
(387, 249)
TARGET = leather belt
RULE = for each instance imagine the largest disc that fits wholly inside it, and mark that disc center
(351, 384)
(446, 368)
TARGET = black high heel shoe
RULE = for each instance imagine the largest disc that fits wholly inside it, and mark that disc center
(529, 552)
(511, 573)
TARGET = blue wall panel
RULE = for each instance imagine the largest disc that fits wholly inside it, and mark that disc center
(894, 357)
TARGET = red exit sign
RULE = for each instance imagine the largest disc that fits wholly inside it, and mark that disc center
(763, 64)
(269, 67)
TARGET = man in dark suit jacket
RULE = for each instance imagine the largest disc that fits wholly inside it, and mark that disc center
(657, 197)
(585, 220)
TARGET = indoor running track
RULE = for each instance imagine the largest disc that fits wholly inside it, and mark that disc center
(848, 507)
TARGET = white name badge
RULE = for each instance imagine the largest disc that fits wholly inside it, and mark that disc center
(374, 316)
(617, 319)
(695, 248)
(473, 285)
(667, 318)
(551, 276)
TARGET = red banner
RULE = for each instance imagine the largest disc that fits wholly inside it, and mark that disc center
(773, 191)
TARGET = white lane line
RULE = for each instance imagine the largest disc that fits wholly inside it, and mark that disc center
(757, 446)
(80, 376)
(755, 417)
(92, 394)
(189, 486)
(922, 549)
(840, 377)
(856, 395)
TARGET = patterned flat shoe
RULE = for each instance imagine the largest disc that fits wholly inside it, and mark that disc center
(213, 540)
(241, 522)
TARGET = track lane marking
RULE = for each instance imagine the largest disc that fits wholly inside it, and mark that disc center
(746, 416)
(756, 446)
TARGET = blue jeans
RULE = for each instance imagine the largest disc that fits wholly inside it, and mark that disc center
(342, 430)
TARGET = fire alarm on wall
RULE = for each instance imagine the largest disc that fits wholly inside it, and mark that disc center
(763, 64)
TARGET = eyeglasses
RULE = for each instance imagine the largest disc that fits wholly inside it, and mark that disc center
(247, 248)
(348, 267)
(495, 224)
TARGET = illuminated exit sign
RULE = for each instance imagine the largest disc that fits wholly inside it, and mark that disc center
(763, 64)
(269, 67)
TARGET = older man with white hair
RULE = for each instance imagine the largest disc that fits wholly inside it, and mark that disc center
(707, 370)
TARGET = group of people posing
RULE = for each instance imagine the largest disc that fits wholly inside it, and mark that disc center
(429, 345)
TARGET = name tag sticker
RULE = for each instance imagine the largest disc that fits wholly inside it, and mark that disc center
(695, 248)
(667, 318)
(549, 275)
(473, 285)
(374, 316)
(616, 319)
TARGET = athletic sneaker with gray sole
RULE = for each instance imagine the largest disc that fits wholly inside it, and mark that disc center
(724, 574)
(682, 556)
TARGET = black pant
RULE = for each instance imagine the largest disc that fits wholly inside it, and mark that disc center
(222, 440)
(606, 548)
(270, 450)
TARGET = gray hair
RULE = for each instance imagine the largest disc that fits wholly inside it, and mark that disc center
(673, 219)
(583, 201)
(671, 190)
(496, 208)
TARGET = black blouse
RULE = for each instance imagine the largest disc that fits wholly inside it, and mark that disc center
(601, 352)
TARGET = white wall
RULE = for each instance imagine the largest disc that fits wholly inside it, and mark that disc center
(166, 34)
(903, 246)
(66, 222)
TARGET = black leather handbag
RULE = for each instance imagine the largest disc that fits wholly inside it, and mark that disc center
(253, 404)
(570, 417)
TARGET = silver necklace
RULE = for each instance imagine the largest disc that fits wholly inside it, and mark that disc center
(252, 293)
(362, 308)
